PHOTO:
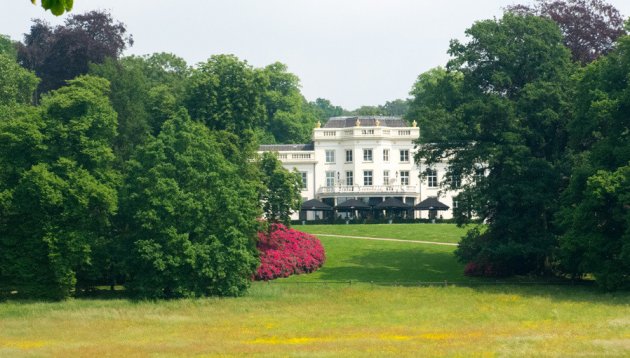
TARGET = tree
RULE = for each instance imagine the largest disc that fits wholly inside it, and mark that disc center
(437, 94)
(505, 127)
(60, 192)
(190, 216)
(57, 7)
(281, 194)
(589, 27)
(65, 52)
(595, 213)
(8, 47)
(324, 109)
(288, 116)
(16, 83)
(226, 93)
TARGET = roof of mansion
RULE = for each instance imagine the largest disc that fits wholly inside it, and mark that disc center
(285, 147)
(365, 121)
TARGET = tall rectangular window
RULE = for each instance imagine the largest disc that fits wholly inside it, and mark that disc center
(386, 155)
(432, 178)
(348, 155)
(404, 155)
(330, 156)
(304, 180)
(330, 179)
(404, 177)
(367, 177)
(385, 177)
(349, 178)
(367, 155)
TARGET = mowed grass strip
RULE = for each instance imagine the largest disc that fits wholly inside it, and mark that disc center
(314, 315)
(350, 259)
(448, 233)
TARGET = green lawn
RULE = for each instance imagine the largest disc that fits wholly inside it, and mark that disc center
(421, 232)
(318, 315)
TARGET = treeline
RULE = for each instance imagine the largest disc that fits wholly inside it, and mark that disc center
(138, 170)
(534, 111)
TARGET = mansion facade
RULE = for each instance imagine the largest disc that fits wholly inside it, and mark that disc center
(369, 159)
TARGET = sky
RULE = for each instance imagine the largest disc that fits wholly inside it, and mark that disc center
(352, 52)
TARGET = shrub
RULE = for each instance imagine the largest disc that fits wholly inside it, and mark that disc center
(285, 252)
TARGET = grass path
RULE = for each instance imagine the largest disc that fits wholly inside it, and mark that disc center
(415, 232)
(387, 239)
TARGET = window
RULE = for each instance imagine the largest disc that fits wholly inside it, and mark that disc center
(432, 178)
(455, 204)
(385, 177)
(456, 181)
(304, 180)
(404, 155)
(330, 156)
(348, 155)
(349, 178)
(386, 155)
(367, 177)
(330, 179)
(404, 177)
(367, 155)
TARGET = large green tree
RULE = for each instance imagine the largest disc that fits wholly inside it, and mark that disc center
(596, 210)
(190, 216)
(505, 135)
(60, 192)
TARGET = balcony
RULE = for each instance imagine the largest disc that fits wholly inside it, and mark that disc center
(368, 189)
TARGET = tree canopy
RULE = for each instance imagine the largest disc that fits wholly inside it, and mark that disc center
(61, 53)
(589, 27)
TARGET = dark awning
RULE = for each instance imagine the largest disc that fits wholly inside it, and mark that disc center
(392, 203)
(315, 205)
(353, 204)
(431, 203)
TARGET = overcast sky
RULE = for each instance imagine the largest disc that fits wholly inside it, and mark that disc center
(352, 52)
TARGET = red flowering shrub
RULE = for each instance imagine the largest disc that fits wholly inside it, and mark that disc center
(285, 252)
(480, 269)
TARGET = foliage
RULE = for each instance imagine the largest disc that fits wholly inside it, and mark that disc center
(285, 252)
(503, 115)
(56, 7)
(395, 108)
(8, 47)
(226, 93)
(190, 216)
(590, 27)
(280, 196)
(17, 84)
(59, 192)
(436, 95)
(595, 215)
(65, 51)
(289, 117)
(323, 109)
(145, 91)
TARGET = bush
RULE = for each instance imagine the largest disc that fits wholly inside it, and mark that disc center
(285, 252)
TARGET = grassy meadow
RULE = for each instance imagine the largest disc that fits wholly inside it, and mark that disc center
(321, 314)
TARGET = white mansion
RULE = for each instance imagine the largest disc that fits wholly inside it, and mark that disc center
(369, 159)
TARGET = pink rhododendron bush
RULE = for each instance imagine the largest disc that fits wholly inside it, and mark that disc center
(285, 252)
